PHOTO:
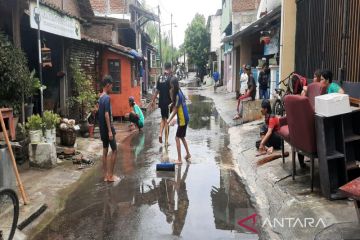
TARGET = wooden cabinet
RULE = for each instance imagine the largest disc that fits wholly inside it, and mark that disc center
(338, 146)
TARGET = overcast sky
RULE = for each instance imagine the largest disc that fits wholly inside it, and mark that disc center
(183, 12)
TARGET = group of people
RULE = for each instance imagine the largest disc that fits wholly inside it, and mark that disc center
(269, 140)
(172, 102)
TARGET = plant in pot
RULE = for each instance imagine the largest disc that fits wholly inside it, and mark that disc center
(67, 132)
(35, 125)
(84, 96)
(16, 81)
(50, 121)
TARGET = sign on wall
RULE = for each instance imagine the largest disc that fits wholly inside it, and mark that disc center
(54, 22)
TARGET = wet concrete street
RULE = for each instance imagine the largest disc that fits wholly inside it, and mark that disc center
(201, 200)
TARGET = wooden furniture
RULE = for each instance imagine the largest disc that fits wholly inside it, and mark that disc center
(352, 190)
(7, 113)
(338, 147)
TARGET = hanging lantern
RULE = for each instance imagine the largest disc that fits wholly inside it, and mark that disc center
(46, 57)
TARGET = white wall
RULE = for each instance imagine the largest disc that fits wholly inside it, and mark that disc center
(268, 5)
(215, 32)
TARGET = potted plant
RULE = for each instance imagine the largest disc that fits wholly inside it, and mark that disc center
(84, 96)
(35, 124)
(50, 121)
(16, 81)
(67, 132)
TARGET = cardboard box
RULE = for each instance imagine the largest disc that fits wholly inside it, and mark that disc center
(332, 104)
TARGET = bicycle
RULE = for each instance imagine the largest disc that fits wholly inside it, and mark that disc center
(9, 213)
(279, 95)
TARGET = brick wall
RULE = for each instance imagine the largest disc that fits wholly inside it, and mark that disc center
(99, 6)
(85, 54)
(70, 6)
(118, 6)
(101, 32)
(244, 5)
(115, 6)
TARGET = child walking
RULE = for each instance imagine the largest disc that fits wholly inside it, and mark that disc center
(179, 108)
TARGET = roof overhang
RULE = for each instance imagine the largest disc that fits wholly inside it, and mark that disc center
(256, 26)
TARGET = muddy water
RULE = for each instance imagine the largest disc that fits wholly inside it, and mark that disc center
(201, 200)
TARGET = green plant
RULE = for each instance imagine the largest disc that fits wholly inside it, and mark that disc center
(14, 73)
(35, 122)
(83, 92)
(50, 119)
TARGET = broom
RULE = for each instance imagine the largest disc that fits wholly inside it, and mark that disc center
(166, 166)
(270, 158)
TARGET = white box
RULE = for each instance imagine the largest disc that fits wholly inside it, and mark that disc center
(332, 104)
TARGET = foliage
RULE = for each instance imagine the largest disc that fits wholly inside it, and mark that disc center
(35, 122)
(84, 94)
(166, 50)
(50, 119)
(15, 77)
(197, 41)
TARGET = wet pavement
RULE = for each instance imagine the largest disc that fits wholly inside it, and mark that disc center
(201, 200)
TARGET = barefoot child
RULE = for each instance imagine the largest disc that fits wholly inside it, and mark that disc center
(107, 131)
(179, 108)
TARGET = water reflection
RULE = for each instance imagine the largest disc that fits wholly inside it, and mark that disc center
(191, 204)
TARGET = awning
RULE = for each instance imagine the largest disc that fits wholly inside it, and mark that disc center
(256, 26)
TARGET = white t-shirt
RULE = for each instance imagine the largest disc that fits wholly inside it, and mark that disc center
(243, 83)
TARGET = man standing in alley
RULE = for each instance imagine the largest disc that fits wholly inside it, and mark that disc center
(163, 90)
(107, 131)
(264, 81)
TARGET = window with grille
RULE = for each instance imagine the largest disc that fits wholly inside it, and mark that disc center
(115, 73)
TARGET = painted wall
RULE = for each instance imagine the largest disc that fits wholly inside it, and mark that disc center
(120, 105)
(287, 38)
(215, 32)
(226, 14)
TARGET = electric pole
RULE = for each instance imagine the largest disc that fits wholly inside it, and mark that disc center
(172, 47)
(37, 19)
(161, 65)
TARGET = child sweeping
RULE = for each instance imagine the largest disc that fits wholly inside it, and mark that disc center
(179, 108)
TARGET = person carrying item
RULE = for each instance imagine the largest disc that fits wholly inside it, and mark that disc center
(249, 94)
(326, 79)
(264, 81)
(269, 140)
(179, 108)
(107, 131)
(163, 90)
(136, 116)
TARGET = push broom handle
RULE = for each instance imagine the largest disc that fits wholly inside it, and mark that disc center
(20, 185)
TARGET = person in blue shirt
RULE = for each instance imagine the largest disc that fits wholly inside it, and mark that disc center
(107, 131)
(136, 116)
(216, 77)
(179, 108)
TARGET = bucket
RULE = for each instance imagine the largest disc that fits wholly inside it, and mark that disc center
(91, 130)
(50, 135)
(35, 136)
